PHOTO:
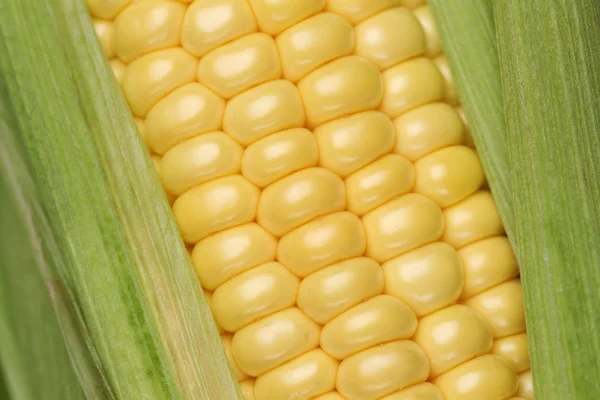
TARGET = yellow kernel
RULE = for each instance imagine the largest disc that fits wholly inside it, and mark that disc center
(517, 398)
(306, 376)
(254, 294)
(335, 289)
(344, 86)
(487, 263)
(239, 374)
(186, 112)
(199, 160)
(330, 396)
(356, 11)
(422, 391)
(223, 255)
(216, 205)
(274, 16)
(381, 370)
(452, 336)
(475, 218)
(349, 143)
(375, 321)
(486, 377)
(106, 9)
(433, 46)
(390, 37)
(118, 69)
(448, 175)
(147, 26)
(278, 155)
(468, 139)
(426, 129)
(411, 84)
(156, 161)
(104, 31)
(322, 242)
(515, 349)
(208, 296)
(273, 340)
(412, 3)
(427, 279)
(450, 95)
(299, 198)
(247, 389)
(526, 386)
(401, 225)
(502, 307)
(151, 77)
(378, 182)
(265, 109)
(209, 24)
(312, 43)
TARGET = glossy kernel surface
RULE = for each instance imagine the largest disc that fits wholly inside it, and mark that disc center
(450, 95)
(106, 9)
(273, 16)
(423, 391)
(515, 349)
(104, 30)
(247, 389)
(356, 11)
(433, 45)
(526, 386)
(238, 373)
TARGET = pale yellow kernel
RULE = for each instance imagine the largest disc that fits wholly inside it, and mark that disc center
(422, 391)
(356, 11)
(475, 218)
(468, 139)
(156, 161)
(411, 84)
(239, 374)
(208, 295)
(486, 377)
(278, 155)
(265, 109)
(449, 175)
(375, 321)
(322, 242)
(141, 126)
(151, 77)
(273, 340)
(401, 225)
(303, 378)
(118, 69)
(186, 112)
(426, 129)
(199, 160)
(312, 43)
(212, 23)
(349, 143)
(106, 9)
(526, 386)
(450, 95)
(381, 370)
(452, 336)
(247, 389)
(299, 198)
(427, 279)
(502, 307)
(330, 396)
(223, 255)
(274, 16)
(342, 87)
(369, 187)
(487, 263)
(390, 37)
(335, 289)
(216, 205)
(412, 3)
(433, 46)
(104, 31)
(517, 398)
(147, 26)
(234, 67)
(515, 349)
(254, 294)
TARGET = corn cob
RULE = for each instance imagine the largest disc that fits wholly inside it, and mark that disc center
(319, 163)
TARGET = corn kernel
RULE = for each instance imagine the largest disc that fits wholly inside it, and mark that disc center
(422, 391)
(487, 263)
(335, 289)
(274, 16)
(209, 24)
(502, 307)
(375, 321)
(278, 155)
(401, 225)
(349, 143)
(223, 255)
(254, 294)
(382, 370)
(322, 242)
(299, 198)
(356, 11)
(234, 67)
(104, 31)
(247, 389)
(306, 376)
(106, 9)
(344, 86)
(312, 43)
(452, 336)
(118, 69)
(468, 139)
(368, 188)
(433, 46)
(156, 161)
(390, 37)
(239, 374)
(271, 341)
(265, 109)
(200, 160)
(330, 396)
(514, 349)
(526, 386)
(208, 295)
(427, 279)
(450, 95)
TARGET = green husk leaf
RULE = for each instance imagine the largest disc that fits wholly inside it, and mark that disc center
(549, 63)
(124, 261)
